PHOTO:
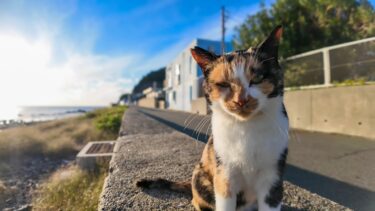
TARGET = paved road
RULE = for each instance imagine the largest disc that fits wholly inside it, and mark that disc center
(338, 167)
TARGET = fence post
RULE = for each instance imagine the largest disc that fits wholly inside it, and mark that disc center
(326, 67)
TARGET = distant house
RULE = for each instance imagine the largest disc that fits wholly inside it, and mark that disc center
(183, 76)
(152, 97)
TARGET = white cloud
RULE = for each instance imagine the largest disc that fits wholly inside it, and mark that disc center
(46, 67)
(28, 77)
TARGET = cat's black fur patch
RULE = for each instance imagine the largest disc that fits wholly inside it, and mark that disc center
(241, 201)
(205, 191)
(218, 160)
(276, 76)
(207, 91)
(281, 163)
(275, 194)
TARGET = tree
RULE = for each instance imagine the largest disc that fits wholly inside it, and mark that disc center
(308, 24)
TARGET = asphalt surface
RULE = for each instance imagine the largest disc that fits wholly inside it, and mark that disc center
(338, 167)
(147, 148)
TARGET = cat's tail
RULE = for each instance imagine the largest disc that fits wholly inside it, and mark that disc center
(164, 184)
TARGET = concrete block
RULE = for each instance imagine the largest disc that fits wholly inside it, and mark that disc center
(94, 154)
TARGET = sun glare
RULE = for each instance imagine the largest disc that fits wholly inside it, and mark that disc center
(23, 67)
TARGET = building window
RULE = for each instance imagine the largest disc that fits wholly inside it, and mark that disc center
(178, 74)
(174, 96)
(191, 93)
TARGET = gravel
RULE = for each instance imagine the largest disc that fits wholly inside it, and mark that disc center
(149, 149)
(22, 178)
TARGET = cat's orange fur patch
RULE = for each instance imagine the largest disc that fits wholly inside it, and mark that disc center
(218, 74)
(221, 184)
(204, 173)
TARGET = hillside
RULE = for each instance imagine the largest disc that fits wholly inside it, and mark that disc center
(156, 76)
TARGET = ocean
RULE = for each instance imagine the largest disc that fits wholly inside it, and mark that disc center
(43, 113)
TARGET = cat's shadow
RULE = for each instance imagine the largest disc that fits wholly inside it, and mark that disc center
(288, 208)
(168, 195)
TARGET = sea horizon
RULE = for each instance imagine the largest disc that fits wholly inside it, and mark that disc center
(43, 113)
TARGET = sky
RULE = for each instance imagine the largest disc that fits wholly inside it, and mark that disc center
(89, 52)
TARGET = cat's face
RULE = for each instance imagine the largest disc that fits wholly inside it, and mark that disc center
(242, 82)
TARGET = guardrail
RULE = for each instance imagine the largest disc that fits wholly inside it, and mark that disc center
(351, 61)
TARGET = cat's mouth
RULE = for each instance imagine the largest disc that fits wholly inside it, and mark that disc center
(244, 112)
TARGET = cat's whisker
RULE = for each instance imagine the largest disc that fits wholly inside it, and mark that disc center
(266, 60)
(208, 128)
(203, 124)
(192, 119)
(198, 125)
(192, 114)
(196, 130)
(206, 121)
(295, 135)
(285, 133)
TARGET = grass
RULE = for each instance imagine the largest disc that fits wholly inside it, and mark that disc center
(3, 191)
(2, 186)
(70, 189)
(60, 138)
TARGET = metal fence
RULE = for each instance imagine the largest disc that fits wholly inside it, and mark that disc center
(348, 62)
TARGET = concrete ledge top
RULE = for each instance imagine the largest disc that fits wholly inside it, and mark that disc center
(134, 122)
(161, 152)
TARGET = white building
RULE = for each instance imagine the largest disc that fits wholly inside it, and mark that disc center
(184, 77)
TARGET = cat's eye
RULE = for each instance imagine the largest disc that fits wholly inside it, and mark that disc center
(257, 79)
(223, 84)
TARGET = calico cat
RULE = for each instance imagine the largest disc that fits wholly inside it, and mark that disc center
(243, 162)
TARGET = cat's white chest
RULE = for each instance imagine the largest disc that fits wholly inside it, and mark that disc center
(250, 146)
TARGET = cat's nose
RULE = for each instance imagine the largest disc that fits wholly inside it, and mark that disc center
(241, 102)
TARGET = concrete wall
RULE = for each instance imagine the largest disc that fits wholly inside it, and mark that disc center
(147, 102)
(199, 106)
(344, 110)
(161, 104)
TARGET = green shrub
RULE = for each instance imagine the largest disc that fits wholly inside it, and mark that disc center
(351, 82)
(109, 120)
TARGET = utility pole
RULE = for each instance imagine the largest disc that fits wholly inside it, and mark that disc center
(222, 30)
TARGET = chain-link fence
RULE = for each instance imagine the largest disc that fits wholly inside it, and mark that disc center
(348, 62)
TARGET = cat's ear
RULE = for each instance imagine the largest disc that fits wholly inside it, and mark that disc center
(270, 46)
(203, 58)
